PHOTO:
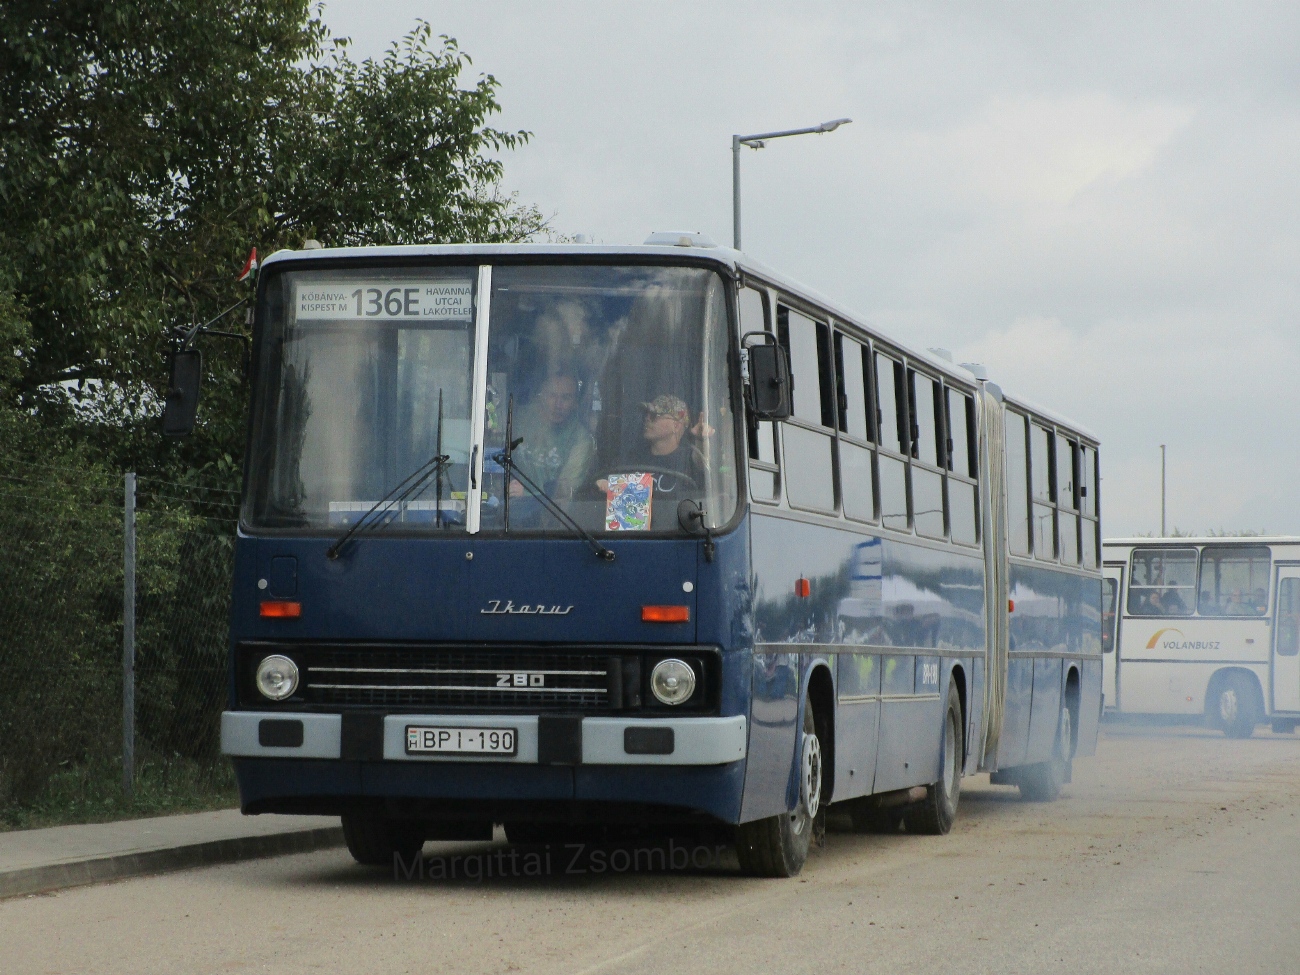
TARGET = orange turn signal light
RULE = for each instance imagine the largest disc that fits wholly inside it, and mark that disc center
(802, 588)
(1011, 605)
(281, 609)
(665, 614)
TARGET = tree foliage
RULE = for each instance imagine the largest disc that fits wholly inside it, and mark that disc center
(147, 145)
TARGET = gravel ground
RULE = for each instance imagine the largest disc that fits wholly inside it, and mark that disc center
(1174, 850)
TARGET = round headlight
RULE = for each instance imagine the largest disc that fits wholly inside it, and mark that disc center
(672, 681)
(277, 677)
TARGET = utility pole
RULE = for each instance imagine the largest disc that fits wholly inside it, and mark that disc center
(1162, 491)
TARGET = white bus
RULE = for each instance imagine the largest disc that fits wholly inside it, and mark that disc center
(1203, 626)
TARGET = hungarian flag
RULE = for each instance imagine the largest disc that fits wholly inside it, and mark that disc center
(250, 265)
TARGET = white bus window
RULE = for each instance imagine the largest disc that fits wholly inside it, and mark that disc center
(808, 479)
(1040, 462)
(962, 512)
(961, 426)
(1288, 617)
(927, 502)
(855, 482)
(892, 435)
(1234, 580)
(1088, 536)
(1068, 534)
(1017, 485)
(1162, 582)
(893, 493)
(852, 361)
(925, 428)
(1044, 520)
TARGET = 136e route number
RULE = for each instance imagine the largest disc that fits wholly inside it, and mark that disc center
(398, 301)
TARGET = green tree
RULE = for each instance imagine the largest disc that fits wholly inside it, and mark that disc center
(147, 145)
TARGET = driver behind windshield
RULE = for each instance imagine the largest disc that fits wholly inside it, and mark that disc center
(665, 446)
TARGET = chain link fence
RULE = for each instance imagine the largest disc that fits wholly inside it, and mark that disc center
(68, 751)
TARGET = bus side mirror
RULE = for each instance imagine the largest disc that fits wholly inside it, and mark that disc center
(769, 382)
(182, 405)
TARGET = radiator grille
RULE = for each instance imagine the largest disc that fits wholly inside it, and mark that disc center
(454, 678)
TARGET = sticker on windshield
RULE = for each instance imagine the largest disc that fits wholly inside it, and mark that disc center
(438, 300)
(627, 502)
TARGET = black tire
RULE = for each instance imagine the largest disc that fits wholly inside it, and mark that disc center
(778, 845)
(373, 840)
(1043, 781)
(1234, 706)
(935, 813)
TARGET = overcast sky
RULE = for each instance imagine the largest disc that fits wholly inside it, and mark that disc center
(1098, 201)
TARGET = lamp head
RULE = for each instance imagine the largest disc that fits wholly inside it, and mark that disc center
(833, 125)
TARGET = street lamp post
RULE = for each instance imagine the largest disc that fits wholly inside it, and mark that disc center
(757, 142)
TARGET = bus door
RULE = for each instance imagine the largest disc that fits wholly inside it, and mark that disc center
(1112, 584)
(1286, 640)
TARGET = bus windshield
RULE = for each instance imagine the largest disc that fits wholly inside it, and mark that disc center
(614, 380)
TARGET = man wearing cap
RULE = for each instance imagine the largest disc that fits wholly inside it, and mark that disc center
(666, 446)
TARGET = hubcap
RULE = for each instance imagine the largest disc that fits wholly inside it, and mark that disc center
(810, 778)
(1228, 705)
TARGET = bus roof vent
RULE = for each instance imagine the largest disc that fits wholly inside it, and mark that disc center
(941, 353)
(681, 238)
(976, 369)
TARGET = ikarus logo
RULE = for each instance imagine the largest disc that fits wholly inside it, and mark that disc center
(1178, 642)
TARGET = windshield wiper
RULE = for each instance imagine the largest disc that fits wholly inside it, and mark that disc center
(505, 458)
(417, 481)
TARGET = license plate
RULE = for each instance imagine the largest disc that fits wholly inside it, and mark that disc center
(422, 739)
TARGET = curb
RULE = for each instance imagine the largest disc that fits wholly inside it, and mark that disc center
(58, 876)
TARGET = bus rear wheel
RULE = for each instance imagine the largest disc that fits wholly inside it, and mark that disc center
(1042, 782)
(373, 841)
(935, 813)
(778, 845)
(1235, 708)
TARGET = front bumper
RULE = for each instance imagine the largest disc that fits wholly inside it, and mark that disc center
(601, 741)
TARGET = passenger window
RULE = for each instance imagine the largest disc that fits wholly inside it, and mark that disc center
(927, 502)
(807, 342)
(808, 479)
(925, 429)
(893, 492)
(1162, 582)
(1041, 462)
(764, 484)
(1068, 537)
(962, 512)
(1088, 538)
(1066, 464)
(1288, 617)
(961, 426)
(855, 482)
(1089, 482)
(851, 359)
(891, 433)
(1234, 580)
(1017, 485)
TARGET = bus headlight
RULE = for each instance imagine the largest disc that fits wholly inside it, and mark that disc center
(277, 677)
(672, 681)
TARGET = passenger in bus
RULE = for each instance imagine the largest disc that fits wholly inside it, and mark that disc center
(1166, 602)
(1238, 605)
(557, 449)
(1259, 600)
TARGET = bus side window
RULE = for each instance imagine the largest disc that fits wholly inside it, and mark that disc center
(1162, 581)
(852, 367)
(963, 515)
(892, 439)
(1040, 474)
(1017, 484)
(927, 482)
(808, 436)
(1067, 500)
(1288, 617)
(764, 472)
(1234, 580)
(1088, 506)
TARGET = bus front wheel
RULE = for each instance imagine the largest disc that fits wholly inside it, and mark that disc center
(778, 845)
(373, 840)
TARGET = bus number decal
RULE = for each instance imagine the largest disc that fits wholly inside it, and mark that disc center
(521, 680)
(930, 674)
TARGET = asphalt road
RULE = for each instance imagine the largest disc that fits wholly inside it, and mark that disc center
(1175, 850)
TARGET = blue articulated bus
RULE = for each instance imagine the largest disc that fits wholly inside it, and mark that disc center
(650, 538)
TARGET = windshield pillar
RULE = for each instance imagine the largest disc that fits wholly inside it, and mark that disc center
(478, 399)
